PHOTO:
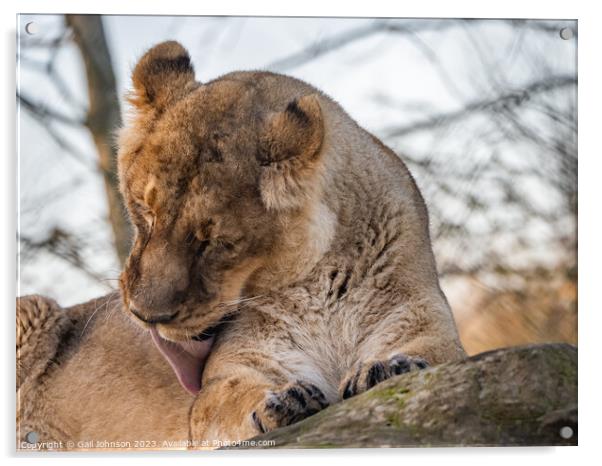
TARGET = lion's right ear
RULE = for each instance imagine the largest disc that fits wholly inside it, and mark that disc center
(162, 76)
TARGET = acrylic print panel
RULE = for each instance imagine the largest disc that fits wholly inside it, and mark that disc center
(262, 232)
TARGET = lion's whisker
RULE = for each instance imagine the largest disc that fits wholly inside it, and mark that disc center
(97, 308)
(239, 301)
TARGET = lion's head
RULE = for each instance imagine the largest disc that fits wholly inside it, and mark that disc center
(217, 179)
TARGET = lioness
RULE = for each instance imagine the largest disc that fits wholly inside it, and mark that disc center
(277, 236)
(89, 378)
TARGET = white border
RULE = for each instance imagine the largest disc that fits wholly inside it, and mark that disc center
(590, 231)
(439, 8)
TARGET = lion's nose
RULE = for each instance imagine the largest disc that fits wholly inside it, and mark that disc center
(154, 319)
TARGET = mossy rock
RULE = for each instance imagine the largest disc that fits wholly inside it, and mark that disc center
(514, 396)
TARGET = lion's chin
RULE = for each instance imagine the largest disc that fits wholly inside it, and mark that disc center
(186, 358)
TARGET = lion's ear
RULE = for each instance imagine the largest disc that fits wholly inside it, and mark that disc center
(162, 76)
(290, 150)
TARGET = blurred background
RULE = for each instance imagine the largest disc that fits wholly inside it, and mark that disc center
(484, 113)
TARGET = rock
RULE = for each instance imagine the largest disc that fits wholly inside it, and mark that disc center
(515, 396)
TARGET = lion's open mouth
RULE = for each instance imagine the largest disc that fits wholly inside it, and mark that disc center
(187, 358)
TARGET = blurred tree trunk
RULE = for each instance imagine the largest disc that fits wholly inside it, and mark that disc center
(103, 117)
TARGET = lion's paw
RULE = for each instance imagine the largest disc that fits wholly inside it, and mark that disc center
(294, 402)
(366, 375)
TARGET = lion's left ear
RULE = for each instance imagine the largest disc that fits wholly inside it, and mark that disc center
(290, 154)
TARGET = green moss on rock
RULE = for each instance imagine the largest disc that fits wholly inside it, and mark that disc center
(513, 396)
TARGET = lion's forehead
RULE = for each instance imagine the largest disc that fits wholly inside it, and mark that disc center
(198, 153)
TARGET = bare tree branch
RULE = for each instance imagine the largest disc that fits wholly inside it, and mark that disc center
(60, 141)
(509, 99)
(408, 28)
(62, 245)
(45, 112)
(345, 38)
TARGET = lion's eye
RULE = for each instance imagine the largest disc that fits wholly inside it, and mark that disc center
(201, 248)
(226, 245)
(200, 245)
(190, 238)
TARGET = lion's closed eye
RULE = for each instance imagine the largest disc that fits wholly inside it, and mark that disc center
(199, 243)
(227, 245)
(201, 248)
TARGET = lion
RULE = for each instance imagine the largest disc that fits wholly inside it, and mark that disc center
(282, 259)
(88, 378)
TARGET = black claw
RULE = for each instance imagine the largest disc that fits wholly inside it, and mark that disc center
(322, 402)
(355, 380)
(347, 391)
(307, 387)
(274, 404)
(400, 364)
(314, 393)
(313, 390)
(351, 386)
(375, 375)
(297, 395)
(258, 422)
(421, 364)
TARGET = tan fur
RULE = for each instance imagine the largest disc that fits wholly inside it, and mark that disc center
(87, 375)
(257, 188)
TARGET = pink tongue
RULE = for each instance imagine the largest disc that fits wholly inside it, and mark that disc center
(186, 358)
